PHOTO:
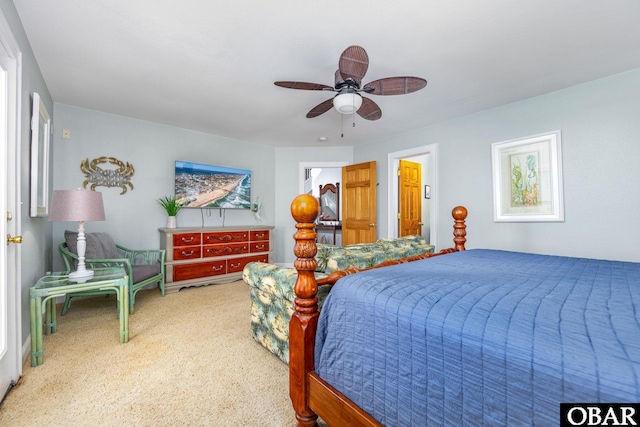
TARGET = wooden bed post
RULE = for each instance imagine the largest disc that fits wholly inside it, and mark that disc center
(459, 227)
(304, 321)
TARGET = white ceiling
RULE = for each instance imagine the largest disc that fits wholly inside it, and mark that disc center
(210, 65)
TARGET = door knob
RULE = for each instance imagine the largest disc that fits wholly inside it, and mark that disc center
(15, 239)
(372, 224)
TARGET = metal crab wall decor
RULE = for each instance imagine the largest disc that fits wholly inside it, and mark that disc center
(119, 177)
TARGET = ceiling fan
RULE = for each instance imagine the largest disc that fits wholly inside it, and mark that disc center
(352, 67)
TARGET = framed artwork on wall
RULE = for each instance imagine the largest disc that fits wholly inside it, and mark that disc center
(527, 179)
(40, 135)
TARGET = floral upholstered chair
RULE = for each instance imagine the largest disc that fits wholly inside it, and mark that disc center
(271, 286)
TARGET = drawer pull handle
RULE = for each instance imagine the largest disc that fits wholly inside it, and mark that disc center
(189, 240)
(235, 265)
(187, 254)
(259, 247)
(260, 236)
(218, 268)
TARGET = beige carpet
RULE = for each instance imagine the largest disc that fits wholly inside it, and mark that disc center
(190, 361)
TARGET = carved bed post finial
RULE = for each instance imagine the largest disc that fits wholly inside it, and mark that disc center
(459, 227)
(304, 321)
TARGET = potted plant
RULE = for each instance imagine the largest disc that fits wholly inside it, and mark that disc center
(172, 207)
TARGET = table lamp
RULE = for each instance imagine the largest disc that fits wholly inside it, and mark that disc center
(77, 205)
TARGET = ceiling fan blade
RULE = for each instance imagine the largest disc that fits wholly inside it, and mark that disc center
(321, 108)
(395, 85)
(369, 110)
(303, 85)
(354, 63)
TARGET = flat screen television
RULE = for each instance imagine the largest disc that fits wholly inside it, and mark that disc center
(207, 186)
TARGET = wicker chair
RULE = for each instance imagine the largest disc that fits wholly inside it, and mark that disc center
(143, 267)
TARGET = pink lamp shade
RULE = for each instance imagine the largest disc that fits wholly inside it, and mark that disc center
(76, 205)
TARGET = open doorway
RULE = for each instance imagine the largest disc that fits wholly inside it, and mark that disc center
(313, 175)
(427, 157)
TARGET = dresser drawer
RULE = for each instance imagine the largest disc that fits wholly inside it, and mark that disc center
(225, 237)
(204, 256)
(259, 235)
(187, 252)
(186, 239)
(236, 265)
(260, 246)
(200, 269)
(225, 249)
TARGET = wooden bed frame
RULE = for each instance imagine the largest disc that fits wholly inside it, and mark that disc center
(311, 395)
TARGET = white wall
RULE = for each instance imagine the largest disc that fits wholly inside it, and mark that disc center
(133, 219)
(600, 149)
(325, 176)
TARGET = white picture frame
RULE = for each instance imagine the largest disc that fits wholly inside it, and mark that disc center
(527, 179)
(40, 140)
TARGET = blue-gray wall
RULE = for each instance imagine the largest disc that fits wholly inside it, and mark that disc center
(600, 150)
(600, 153)
(35, 251)
(133, 218)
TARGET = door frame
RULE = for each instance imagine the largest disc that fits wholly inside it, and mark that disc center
(432, 170)
(10, 202)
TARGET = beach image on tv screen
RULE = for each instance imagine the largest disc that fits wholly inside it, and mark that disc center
(205, 186)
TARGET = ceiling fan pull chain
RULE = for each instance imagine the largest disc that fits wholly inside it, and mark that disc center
(342, 126)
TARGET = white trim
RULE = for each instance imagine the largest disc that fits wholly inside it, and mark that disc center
(392, 193)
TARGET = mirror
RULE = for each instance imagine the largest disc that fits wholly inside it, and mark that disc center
(40, 133)
(330, 202)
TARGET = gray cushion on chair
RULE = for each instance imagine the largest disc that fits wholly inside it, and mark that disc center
(144, 271)
(99, 245)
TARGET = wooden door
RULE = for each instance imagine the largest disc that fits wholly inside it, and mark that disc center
(410, 194)
(359, 203)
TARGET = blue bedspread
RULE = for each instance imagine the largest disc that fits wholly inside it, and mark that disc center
(483, 337)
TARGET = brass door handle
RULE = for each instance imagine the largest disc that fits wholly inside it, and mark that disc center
(372, 224)
(15, 239)
(420, 224)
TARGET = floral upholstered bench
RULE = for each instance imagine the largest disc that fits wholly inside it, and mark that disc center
(272, 291)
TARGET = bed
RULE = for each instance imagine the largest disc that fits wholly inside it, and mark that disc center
(462, 337)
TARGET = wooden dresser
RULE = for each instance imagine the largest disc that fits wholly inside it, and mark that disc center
(203, 256)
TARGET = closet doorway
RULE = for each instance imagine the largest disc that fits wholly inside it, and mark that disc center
(426, 156)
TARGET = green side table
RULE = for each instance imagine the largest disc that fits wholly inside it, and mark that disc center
(42, 300)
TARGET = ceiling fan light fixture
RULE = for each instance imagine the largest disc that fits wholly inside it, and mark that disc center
(347, 103)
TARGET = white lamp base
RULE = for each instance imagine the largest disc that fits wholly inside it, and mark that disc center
(81, 276)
